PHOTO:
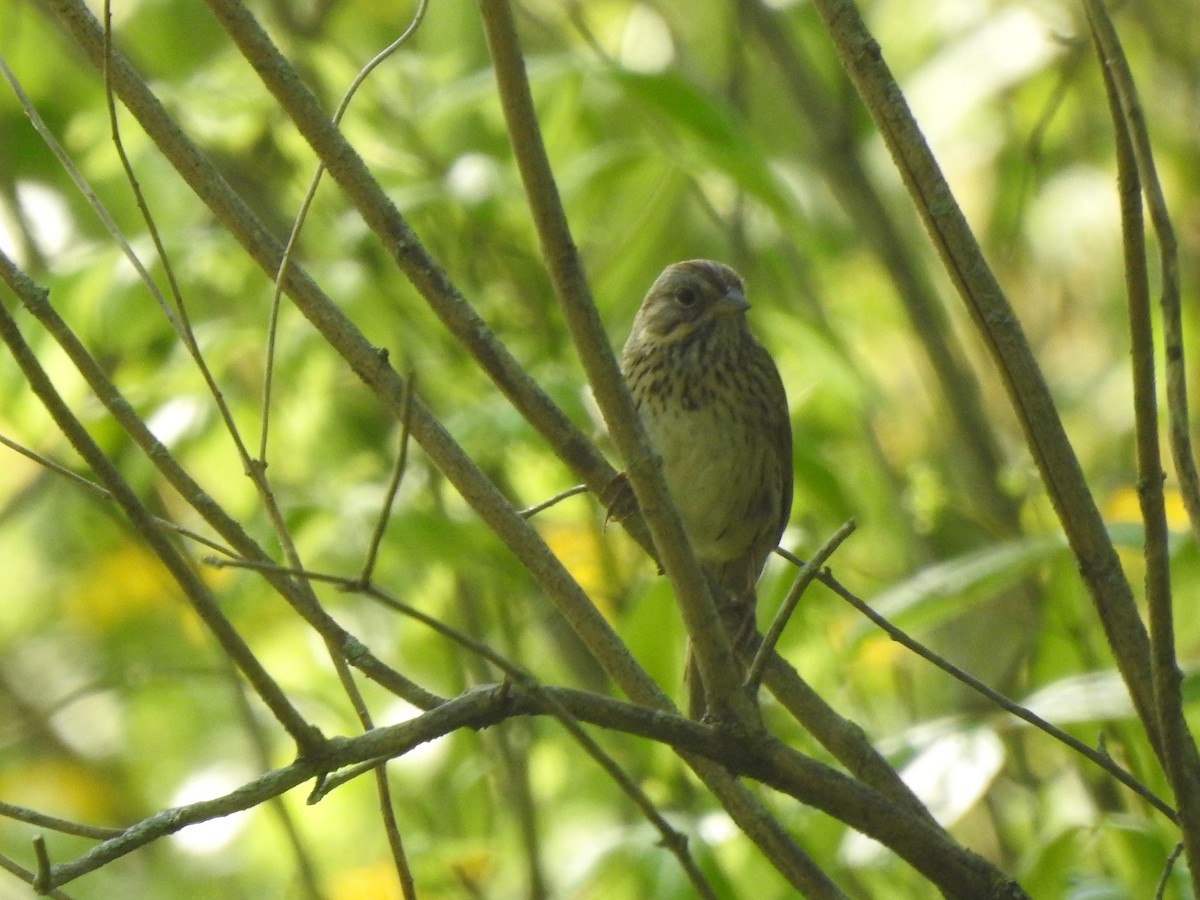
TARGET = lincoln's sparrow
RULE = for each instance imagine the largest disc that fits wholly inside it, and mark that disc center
(714, 408)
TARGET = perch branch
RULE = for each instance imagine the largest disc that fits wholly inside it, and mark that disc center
(920, 842)
(713, 651)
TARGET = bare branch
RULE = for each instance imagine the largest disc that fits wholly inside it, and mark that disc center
(194, 589)
(385, 510)
(53, 823)
(302, 215)
(996, 322)
(1179, 755)
(808, 572)
(1099, 757)
(713, 651)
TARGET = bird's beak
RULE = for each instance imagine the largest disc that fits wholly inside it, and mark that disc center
(731, 304)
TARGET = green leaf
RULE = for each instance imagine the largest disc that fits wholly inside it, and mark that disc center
(942, 590)
(707, 130)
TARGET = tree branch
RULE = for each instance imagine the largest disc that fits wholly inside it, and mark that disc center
(925, 846)
(713, 651)
(997, 324)
(1180, 757)
(307, 737)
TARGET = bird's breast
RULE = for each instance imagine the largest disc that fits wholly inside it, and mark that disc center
(711, 466)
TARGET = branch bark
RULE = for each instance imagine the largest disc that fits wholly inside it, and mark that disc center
(713, 651)
(1179, 750)
(1027, 391)
(956, 872)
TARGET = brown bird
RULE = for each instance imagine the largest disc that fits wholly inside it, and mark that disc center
(714, 407)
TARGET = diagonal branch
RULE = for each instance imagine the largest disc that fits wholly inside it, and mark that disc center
(713, 651)
(366, 360)
(1027, 391)
(306, 736)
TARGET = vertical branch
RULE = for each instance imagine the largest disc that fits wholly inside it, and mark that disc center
(385, 511)
(182, 324)
(1180, 759)
(996, 322)
(254, 469)
(1116, 67)
(306, 869)
(515, 788)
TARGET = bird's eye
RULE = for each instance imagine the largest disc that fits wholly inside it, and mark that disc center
(686, 296)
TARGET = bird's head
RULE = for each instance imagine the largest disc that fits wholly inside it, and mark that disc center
(689, 296)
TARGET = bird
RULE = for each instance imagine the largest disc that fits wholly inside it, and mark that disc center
(715, 410)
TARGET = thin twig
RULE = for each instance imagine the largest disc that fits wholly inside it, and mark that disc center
(385, 511)
(511, 744)
(104, 494)
(530, 511)
(57, 468)
(671, 839)
(255, 469)
(302, 216)
(85, 190)
(1101, 759)
(1174, 358)
(182, 322)
(383, 788)
(1165, 878)
(808, 572)
(253, 724)
(53, 823)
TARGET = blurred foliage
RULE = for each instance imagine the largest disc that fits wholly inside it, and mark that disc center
(673, 137)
